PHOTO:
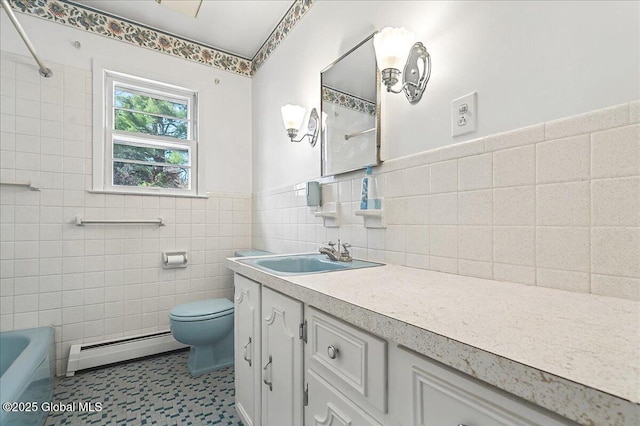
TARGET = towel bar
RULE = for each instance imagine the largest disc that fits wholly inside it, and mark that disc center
(80, 221)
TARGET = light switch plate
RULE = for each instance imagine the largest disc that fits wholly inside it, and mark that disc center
(463, 114)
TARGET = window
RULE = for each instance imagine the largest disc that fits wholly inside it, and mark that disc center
(150, 141)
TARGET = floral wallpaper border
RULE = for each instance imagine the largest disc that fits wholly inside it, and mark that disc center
(85, 18)
(348, 101)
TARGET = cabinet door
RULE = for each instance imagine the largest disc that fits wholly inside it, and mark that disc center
(328, 407)
(282, 351)
(248, 377)
(426, 393)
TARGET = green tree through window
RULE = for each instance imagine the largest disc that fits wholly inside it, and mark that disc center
(143, 165)
(145, 114)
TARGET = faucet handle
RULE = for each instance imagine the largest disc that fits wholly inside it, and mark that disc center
(346, 246)
(331, 244)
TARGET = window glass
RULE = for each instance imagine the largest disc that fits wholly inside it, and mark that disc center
(157, 155)
(136, 122)
(150, 133)
(144, 175)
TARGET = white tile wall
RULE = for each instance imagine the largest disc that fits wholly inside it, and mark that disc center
(555, 204)
(93, 282)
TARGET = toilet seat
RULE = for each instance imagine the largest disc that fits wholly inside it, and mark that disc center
(202, 310)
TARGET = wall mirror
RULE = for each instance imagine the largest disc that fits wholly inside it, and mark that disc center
(350, 89)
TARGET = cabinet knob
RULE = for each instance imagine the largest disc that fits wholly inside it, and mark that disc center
(332, 351)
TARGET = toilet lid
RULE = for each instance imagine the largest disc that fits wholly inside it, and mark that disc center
(203, 308)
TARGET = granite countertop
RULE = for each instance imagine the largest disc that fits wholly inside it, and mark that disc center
(575, 354)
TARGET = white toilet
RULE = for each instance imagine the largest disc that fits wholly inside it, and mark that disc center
(206, 326)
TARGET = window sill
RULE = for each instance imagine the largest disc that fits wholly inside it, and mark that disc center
(160, 194)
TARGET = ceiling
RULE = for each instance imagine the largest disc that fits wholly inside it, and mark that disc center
(238, 27)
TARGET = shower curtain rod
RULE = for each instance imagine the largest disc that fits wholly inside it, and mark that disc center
(44, 71)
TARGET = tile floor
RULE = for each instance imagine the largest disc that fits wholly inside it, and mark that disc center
(151, 391)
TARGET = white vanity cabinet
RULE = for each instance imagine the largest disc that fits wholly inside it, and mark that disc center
(424, 392)
(248, 370)
(317, 370)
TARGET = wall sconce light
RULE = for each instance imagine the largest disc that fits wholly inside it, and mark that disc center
(292, 116)
(392, 45)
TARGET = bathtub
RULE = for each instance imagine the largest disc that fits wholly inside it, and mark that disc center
(27, 369)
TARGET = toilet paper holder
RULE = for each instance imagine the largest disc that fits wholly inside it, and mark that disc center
(174, 259)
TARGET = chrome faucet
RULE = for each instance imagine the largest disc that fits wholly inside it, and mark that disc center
(337, 255)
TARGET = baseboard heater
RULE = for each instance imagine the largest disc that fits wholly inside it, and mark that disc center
(97, 354)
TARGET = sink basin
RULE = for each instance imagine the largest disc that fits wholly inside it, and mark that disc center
(302, 264)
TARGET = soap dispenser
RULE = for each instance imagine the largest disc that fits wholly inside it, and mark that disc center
(373, 196)
(370, 198)
(364, 194)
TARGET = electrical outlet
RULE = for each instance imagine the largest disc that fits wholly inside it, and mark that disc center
(463, 114)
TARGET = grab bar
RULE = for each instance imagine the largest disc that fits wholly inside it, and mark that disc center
(44, 71)
(353, 135)
(80, 221)
(32, 186)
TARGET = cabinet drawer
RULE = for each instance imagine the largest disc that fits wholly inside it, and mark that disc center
(329, 407)
(351, 359)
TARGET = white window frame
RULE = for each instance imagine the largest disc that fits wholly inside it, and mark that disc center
(105, 135)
